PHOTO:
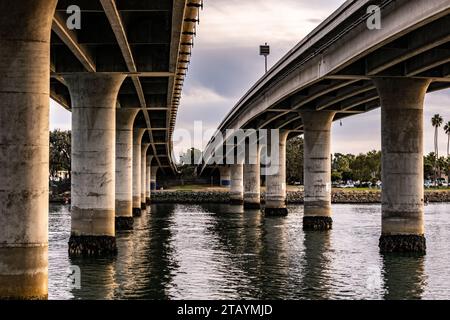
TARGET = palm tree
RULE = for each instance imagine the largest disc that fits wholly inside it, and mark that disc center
(436, 121)
(447, 132)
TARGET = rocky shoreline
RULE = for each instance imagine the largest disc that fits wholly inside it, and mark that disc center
(293, 197)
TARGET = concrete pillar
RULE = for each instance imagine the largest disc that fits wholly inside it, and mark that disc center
(147, 180)
(154, 171)
(237, 184)
(144, 148)
(225, 179)
(252, 186)
(138, 133)
(94, 99)
(275, 201)
(402, 162)
(124, 168)
(252, 179)
(317, 169)
(24, 147)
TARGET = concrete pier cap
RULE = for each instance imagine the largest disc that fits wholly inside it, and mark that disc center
(25, 30)
(317, 169)
(124, 167)
(94, 98)
(402, 102)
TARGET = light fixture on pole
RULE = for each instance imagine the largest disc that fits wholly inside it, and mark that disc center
(264, 51)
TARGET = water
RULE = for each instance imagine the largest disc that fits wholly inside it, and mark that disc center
(221, 252)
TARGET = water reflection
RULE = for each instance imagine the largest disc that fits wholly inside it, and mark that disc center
(317, 277)
(225, 252)
(404, 276)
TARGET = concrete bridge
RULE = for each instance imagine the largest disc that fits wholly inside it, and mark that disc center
(340, 69)
(121, 75)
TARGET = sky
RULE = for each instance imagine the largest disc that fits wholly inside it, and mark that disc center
(226, 63)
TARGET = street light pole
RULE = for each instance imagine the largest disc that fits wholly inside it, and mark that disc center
(264, 51)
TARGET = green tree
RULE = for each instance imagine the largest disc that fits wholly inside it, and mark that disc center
(294, 160)
(60, 151)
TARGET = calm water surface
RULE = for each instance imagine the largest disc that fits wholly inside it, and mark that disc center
(222, 252)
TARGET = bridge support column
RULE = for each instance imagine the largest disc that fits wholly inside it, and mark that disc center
(225, 179)
(154, 171)
(138, 133)
(237, 184)
(94, 98)
(252, 178)
(24, 147)
(252, 186)
(124, 168)
(144, 148)
(317, 169)
(148, 192)
(402, 161)
(275, 202)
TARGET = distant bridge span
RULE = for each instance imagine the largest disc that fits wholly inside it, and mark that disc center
(340, 69)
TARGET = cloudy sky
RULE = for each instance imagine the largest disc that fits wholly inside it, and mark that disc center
(226, 62)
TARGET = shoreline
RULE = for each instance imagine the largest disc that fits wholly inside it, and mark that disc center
(339, 196)
(293, 197)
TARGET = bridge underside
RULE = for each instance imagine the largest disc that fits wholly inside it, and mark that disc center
(149, 41)
(423, 53)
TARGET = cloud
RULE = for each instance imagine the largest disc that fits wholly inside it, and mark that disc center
(60, 118)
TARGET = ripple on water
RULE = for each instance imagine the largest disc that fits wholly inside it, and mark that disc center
(222, 252)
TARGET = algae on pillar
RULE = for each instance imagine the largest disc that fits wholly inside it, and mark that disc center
(94, 98)
(138, 133)
(317, 169)
(124, 168)
(402, 162)
(275, 201)
(25, 29)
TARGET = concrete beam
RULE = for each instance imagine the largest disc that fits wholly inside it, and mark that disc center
(69, 37)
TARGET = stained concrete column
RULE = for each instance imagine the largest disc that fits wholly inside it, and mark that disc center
(154, 171)
(402, 162)
(237, 183)
(138, 133)
(275, 201)
(24, 147)
(94, 98)
(147, 179)
(225, 179)
(317, 169)
(144, 148)
(124, 168)
(252, 179)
